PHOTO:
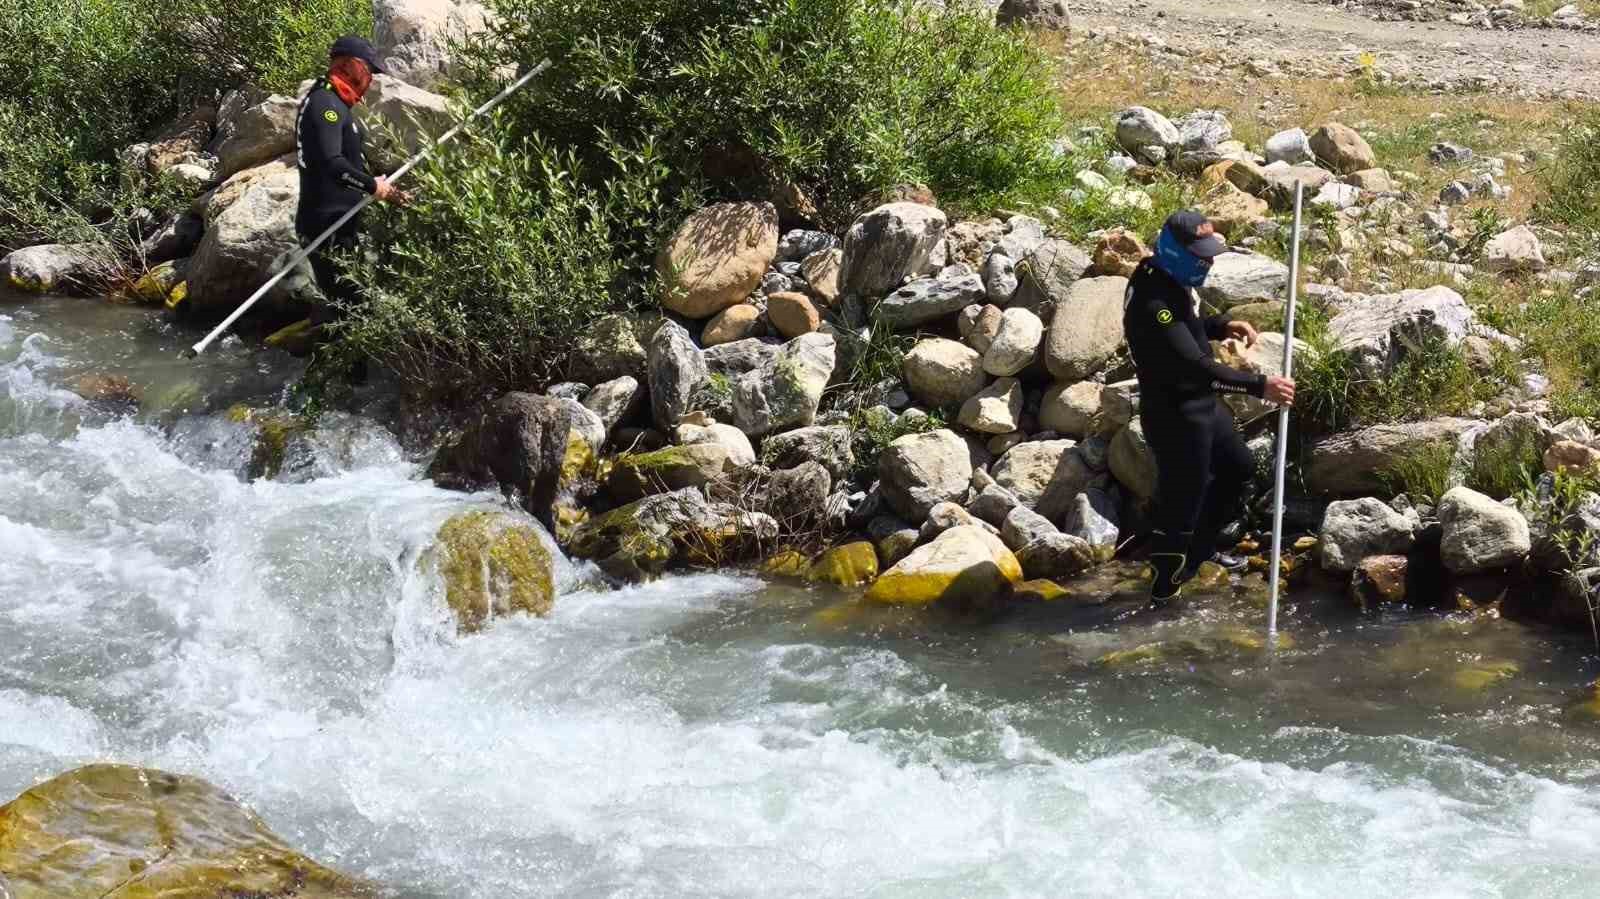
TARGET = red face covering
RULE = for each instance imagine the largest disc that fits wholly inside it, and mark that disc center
(350, 77)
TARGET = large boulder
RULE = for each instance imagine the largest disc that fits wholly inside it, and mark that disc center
(244, 246)
(1363, 462)
(1086, 328)
(1234, 212)
(1070, 409)
(1036, 13)
(927, 300)
(492, 564)
(414, 37)
(636, 475)
(1046, 274)
(1044, 475)
(942, 372)
(919, 471)
(1015, 343)
(1342, 149)
(1133, 462)
(49, 268)
(741, 356)
(211, 204)
(1479, 533)
(521, 443)
(997, 409)
(399, 119)
(253, 129)
(785, 391)
(1353, 530)
(1377, 331)
(716, 257)
(827, 445)
(122, 832)
(1146, 134)
(677, 369)
(886, 246)
(963, 564)
(1238, 278)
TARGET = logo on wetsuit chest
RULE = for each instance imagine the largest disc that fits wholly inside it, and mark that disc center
(1164, 316)
(331, 116)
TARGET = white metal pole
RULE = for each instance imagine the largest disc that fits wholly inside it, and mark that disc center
(366, 201)
(1283, 423)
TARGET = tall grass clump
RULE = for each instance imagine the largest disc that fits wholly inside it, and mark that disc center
(1569, 180)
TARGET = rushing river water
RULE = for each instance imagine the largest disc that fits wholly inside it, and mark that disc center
(712, 735)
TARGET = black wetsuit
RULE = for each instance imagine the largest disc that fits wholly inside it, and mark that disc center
(331, 156)
(1203, 462)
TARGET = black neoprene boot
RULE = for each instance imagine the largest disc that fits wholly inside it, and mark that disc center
(1168, 555)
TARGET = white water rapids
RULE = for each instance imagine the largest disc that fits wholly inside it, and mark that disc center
(706, 735)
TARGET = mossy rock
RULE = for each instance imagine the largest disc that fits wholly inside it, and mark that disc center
(636, 475)
(625, 542)
(1585, 708)
(850, 565)
(156, 286)
(120, 832)
(1228, 643)
(786, 564)
(298, 339)
(962, 565)
(1040, 590)
(493, 565)
(274, 429)
(1478, 678)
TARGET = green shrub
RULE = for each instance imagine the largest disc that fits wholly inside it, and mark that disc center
(1423, 475)
(1432, 380)
(843, 98)
(1568, 182)
(508, 254)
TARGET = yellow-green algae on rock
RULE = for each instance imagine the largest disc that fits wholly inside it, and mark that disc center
(788, 563)
(963, 564)
(493, 564)
(120, 832)
(850, 565)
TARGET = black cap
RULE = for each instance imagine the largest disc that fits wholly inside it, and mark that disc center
(1196, 233)
(358, 47)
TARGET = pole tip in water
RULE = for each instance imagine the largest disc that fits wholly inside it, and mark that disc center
(189, 353)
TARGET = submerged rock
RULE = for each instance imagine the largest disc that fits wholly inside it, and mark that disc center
(120, 832)
(964, 564)
(492, 565)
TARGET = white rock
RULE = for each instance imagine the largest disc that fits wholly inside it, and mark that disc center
(919, 471)
(1479, 533)
(414, 37)
(1139, 129)
(1238, 278)
(1292, 147)
(1070, 408)
(1353, 530)
(995, 409)
(1516, 250)
(1015, 345)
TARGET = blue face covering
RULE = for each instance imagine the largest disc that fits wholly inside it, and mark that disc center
(1185, 267)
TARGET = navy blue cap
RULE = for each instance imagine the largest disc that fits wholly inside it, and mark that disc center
(1196, 233)
(358, 47)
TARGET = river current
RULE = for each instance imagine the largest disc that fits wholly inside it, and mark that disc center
(712, 734)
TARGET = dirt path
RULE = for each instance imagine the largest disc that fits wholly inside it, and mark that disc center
(1534, 62)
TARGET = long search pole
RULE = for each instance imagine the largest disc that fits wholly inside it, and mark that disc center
(366, 201)
(1283, 423)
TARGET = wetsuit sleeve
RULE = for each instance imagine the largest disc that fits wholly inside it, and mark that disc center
(1183, 353)
(325, 140)
(1216, 326)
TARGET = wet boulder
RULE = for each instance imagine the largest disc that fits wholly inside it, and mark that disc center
(636, 475)
(520, 443)
(1093, 518)
(886, 246)
(1481, 534)
(49, 268)
(244, 246)
(850, 565)
(919, 471)
(964, 564)
(121, 831)
(1379, 580)
(786, 390)
(717, 257)
(493, 564)
(1353, 530)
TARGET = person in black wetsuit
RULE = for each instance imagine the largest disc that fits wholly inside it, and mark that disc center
(1203, 463)
(331, 156)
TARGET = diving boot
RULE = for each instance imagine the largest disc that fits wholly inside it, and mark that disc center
(1171, 570)
(1230, 563)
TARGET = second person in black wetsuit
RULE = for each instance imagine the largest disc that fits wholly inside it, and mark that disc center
(331, 155)
(1203, 463)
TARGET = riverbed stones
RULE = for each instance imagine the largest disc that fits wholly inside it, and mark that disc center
(1092, 517)
(1572, 457)
(252, 129)
(1046, 274)
(785, 391)
(994, 410)
(1056, 555)
(518, 443)
(1238, 278)
(1359, 462)
(48, 268)
(1265, 357)
(980, 329)
(827, 445)
(927, 300)
(1015, 344)
(1147, 135)
(716, 257)
(1070, 408)
(612, 348)
(1024, 526)
(414, 38)
(1342, 149)
(121, 831)
(677, 369)
(1513, 251)
(1479, 533)
(493, 564)
(1353, 530)
(918, 471)
(642, 538)
(740, 453)
(941, 372)
(244, 245)
(1234, 212)
(886, 246)
(1087, 328)
(961, 565)
(1044, 475)
(821, 271)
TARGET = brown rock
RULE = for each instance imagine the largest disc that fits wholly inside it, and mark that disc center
(717, 257)
(1233, 211)
(1378, 580)
(1342, 149)
(821, 271)
(1570, 455)
(109, 390)
(1119, 252)
(732, 323)
(792, 314)
(1377, 181)
(985, 327)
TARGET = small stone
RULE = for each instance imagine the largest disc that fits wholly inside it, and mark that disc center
(994, 410)
(1118, 252)
(1446, 153)
(1015, 344)
(731, 324)
(792, 314)
(1455, 193)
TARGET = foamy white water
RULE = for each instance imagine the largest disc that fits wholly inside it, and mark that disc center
(709, 735)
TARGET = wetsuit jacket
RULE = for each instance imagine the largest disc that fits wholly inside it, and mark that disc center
(331, 156)
(1169, 341)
